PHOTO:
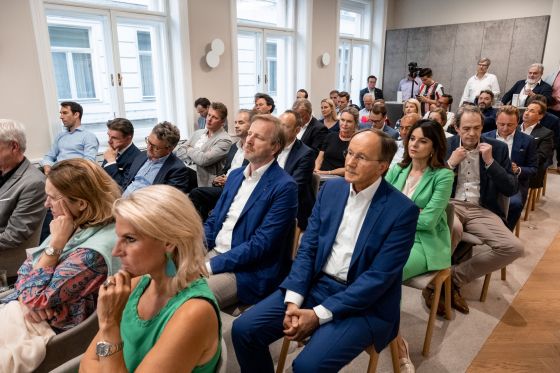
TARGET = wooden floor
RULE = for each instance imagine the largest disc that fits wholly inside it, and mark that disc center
(527, 339)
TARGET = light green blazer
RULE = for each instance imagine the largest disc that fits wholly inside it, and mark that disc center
(431, 196)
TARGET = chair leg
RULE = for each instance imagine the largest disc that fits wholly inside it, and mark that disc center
(539, 192)
(394, 346)
(534, 199)
(484, 291)
(447, 285)
(504, 272)
(432, 319)
(373, 359)
(518, 228)
(544, 184)
(283, 355)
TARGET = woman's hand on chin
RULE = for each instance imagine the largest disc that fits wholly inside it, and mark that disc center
(62, 227)
(113, 295)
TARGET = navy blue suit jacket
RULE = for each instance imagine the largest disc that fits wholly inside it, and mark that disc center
(315, 135)
(497, 179)
(120, 169)
(393, 133)
(375, 273)
(300, 164)
(173, 172)
(378, 95)
(260, 243)
(543, 88)
(552, 122)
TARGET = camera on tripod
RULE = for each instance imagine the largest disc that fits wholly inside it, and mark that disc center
(413, 69)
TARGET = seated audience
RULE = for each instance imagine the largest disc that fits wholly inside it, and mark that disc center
(121, 152)
(479, 82)
(483, 173)
(411, 105)
(74, 141)
(368, 105)
(407, 122)
(205, 198)
(330, 118)
(543, 137)
(550, 121)
(375, 92)
(302, 93)
(157, 313)
(334, 96)
(247, 232)
(201, 105)
(59, 280)
(378, 118)
(343, 100)
(313, 132)
(207, 149)
(330, 160)
(22, 195)
(344, 289)
(530, 86)
(158, 165)
(439, 115)
(445, 102)
(484, 101)
(523, 154)
(423, 176)
(264, 104)
(430, 90)
(553, 79)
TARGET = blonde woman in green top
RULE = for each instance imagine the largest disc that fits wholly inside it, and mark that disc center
(157, 313)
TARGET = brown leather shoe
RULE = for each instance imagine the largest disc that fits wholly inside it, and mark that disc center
(428, 295)
(457, 300)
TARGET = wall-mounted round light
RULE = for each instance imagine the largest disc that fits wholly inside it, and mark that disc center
(216, 50)
(325, 59)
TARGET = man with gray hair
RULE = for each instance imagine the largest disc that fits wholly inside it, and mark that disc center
(312, 132)
(481, 81)
(22, 198)
(530, 86)
(158, 164)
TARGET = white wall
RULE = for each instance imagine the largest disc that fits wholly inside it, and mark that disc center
(420, 13)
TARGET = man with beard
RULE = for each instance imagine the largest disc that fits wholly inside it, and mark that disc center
(530, 86)
(485, 100)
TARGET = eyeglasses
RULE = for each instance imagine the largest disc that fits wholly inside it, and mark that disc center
(155, 147)
(377, 121)
(358, 157)
(483, 65)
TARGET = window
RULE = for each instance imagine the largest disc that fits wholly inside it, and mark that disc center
(265, 51)
(354, 47)
(122, 80)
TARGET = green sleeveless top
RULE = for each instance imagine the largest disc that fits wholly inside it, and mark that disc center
(139, 336)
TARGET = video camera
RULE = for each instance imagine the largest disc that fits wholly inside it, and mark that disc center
(413, 69)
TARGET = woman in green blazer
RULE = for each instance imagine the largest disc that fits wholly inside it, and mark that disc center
(424, 177)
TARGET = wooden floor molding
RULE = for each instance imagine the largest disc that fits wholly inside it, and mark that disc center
(527, 339)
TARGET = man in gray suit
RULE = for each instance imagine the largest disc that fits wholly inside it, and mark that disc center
(22, 195)
(207, 149)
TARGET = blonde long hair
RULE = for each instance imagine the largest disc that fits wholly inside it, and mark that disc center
(166, 214)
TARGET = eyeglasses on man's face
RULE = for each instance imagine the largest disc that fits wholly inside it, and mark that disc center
(154, 147)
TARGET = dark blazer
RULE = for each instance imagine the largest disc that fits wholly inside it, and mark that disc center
(378, 95)
(173, 172)
(391, 132)
(552, 122)
(497, 179)
(375, 272)
(314, 135)
(523, 154)
(489, 120)
(119, 170)
(544, 140)
(231, 154)
(261, 239)
(543, 88)
(300, 165)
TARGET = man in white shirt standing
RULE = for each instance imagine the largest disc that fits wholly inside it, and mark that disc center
(480, 81)
(248, 234)
(344, 289)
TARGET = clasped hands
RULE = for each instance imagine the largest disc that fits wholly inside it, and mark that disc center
(299, 323)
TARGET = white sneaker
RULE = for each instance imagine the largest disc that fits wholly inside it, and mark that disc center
(405, 363)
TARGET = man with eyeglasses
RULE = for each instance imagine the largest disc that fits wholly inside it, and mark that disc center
(158, 165)
(377, 119)
(121, 152)
(481, 81)
(407, 122)
(344, 288)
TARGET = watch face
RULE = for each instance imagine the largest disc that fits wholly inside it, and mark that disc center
(102, 349)
(49, 251)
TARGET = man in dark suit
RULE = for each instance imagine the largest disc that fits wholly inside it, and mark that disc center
(121, 152)
(552, 122)
(523, 155)
(530, 86)
(298, 160)
(485, 101)
(344, 289)
(158, 165)
(376, 92)
(544, 139)
(312, 132)
(249, 232)
(205, 198)
(377, 119)
(483, 172)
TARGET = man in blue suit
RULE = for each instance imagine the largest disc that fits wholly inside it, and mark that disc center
(158, 165)
(249, 231)
(121, 152)
(344, 289)
(378, 118)
(523, 155)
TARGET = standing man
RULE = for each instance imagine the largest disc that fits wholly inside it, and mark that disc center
(313, 132)
(479, 82)
(483, 172)
(410, 85)
(430, 91)
(201, 105)
(375, 92)
(22, 198)
(264, 104)
(121, 152)
(485, 101)
(207, 149)
(247, 232)
(302, 93)
(74, 142)
(344, 288)
(530, 86)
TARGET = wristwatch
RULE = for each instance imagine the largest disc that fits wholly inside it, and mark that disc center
(104, 348)
(51, 251)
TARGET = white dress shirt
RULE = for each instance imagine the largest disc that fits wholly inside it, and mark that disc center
(338, 262)
(508, 140)
(303, 129)
(283, 156)
(527, 130)
(475, 85)
(238, 158)
(522, 95)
